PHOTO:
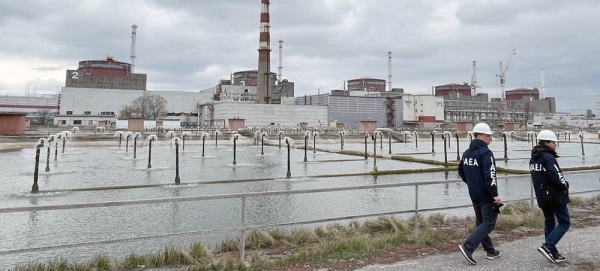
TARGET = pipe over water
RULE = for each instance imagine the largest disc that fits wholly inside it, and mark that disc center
(366, 154)
(457, 147)
(288, 174)
(432, 141)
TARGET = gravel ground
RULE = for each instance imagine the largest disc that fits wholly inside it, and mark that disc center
(578, 246)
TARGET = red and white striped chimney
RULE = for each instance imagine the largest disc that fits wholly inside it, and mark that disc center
(264, 55)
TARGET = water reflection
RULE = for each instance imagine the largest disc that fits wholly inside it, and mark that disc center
(175, 217)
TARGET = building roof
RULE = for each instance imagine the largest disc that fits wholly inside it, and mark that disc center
(247, 71)
(3, 113)
(452, 84)
(522, 89)
(366, 78)
(107, 59)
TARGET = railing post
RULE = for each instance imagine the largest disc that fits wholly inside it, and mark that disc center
(243, 232)
(416, 211)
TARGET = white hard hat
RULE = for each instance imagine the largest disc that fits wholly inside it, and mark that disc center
(547, 135)
(482, 128)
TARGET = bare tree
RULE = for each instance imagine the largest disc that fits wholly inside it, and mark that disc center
(148, 106)
(126, 112)
(43, 114)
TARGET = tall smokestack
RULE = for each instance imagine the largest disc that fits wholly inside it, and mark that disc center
(264, 54)
(280, 69)
(133, 36)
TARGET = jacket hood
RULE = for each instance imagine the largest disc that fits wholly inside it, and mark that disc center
(540, 150)
(477, 144)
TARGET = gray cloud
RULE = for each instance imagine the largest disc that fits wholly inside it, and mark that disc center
(189, 45)
(57, 68)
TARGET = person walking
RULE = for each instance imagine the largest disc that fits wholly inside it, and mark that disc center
(552, 193)
(477, 168)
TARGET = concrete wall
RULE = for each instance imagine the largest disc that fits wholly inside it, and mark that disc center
(149, 124)
(12, 124)
(79, 100)
(262, 115)
(415, 106)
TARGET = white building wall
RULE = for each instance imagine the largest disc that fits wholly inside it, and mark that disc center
(262, 115)
(415, 106)
(79, 100)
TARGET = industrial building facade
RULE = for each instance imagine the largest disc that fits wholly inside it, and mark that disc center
(520, 105)
(351, 110)
(87, 106)
(109, 74)
(366, 84)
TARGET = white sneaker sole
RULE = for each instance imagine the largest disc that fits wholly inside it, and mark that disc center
(493, 257)
(548, 256)
(464, 253)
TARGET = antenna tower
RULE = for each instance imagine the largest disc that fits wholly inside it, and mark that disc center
(390, 71)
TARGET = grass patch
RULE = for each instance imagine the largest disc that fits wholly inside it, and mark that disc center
(260, 239)
(133, 261)
(170, 257)
(516, 208)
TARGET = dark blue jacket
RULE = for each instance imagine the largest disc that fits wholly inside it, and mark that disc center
(477, 168)
(546, 173)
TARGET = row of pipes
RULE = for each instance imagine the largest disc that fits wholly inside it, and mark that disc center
(259, 136)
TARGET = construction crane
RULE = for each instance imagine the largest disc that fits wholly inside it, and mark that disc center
(502, 72)
(502, 75)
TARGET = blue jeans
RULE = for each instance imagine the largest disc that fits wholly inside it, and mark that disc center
(485, 220)
(552, 232)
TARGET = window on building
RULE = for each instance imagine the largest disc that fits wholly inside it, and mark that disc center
(63, 122)
(87, 112)
(91, 122)
(77, 122)
(69, 112)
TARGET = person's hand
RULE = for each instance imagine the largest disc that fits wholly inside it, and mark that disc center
(497, 200)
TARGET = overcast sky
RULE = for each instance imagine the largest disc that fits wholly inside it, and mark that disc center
(190, 44)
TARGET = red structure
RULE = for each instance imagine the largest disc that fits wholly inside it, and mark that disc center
(12, 123)
(245, 78)
(264, 55)
(105, 73)
(519, 93)
(447, 89)
(366, 84)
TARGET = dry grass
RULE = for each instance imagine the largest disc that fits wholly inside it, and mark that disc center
(170, 257)
(259, 240)
(436, 219)
(516, 208)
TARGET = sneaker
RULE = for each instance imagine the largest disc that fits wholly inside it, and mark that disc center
(558, 258)
(468, 255)
(493, 255)
(546, 253)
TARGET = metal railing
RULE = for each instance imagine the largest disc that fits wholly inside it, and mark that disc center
(243, 196)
